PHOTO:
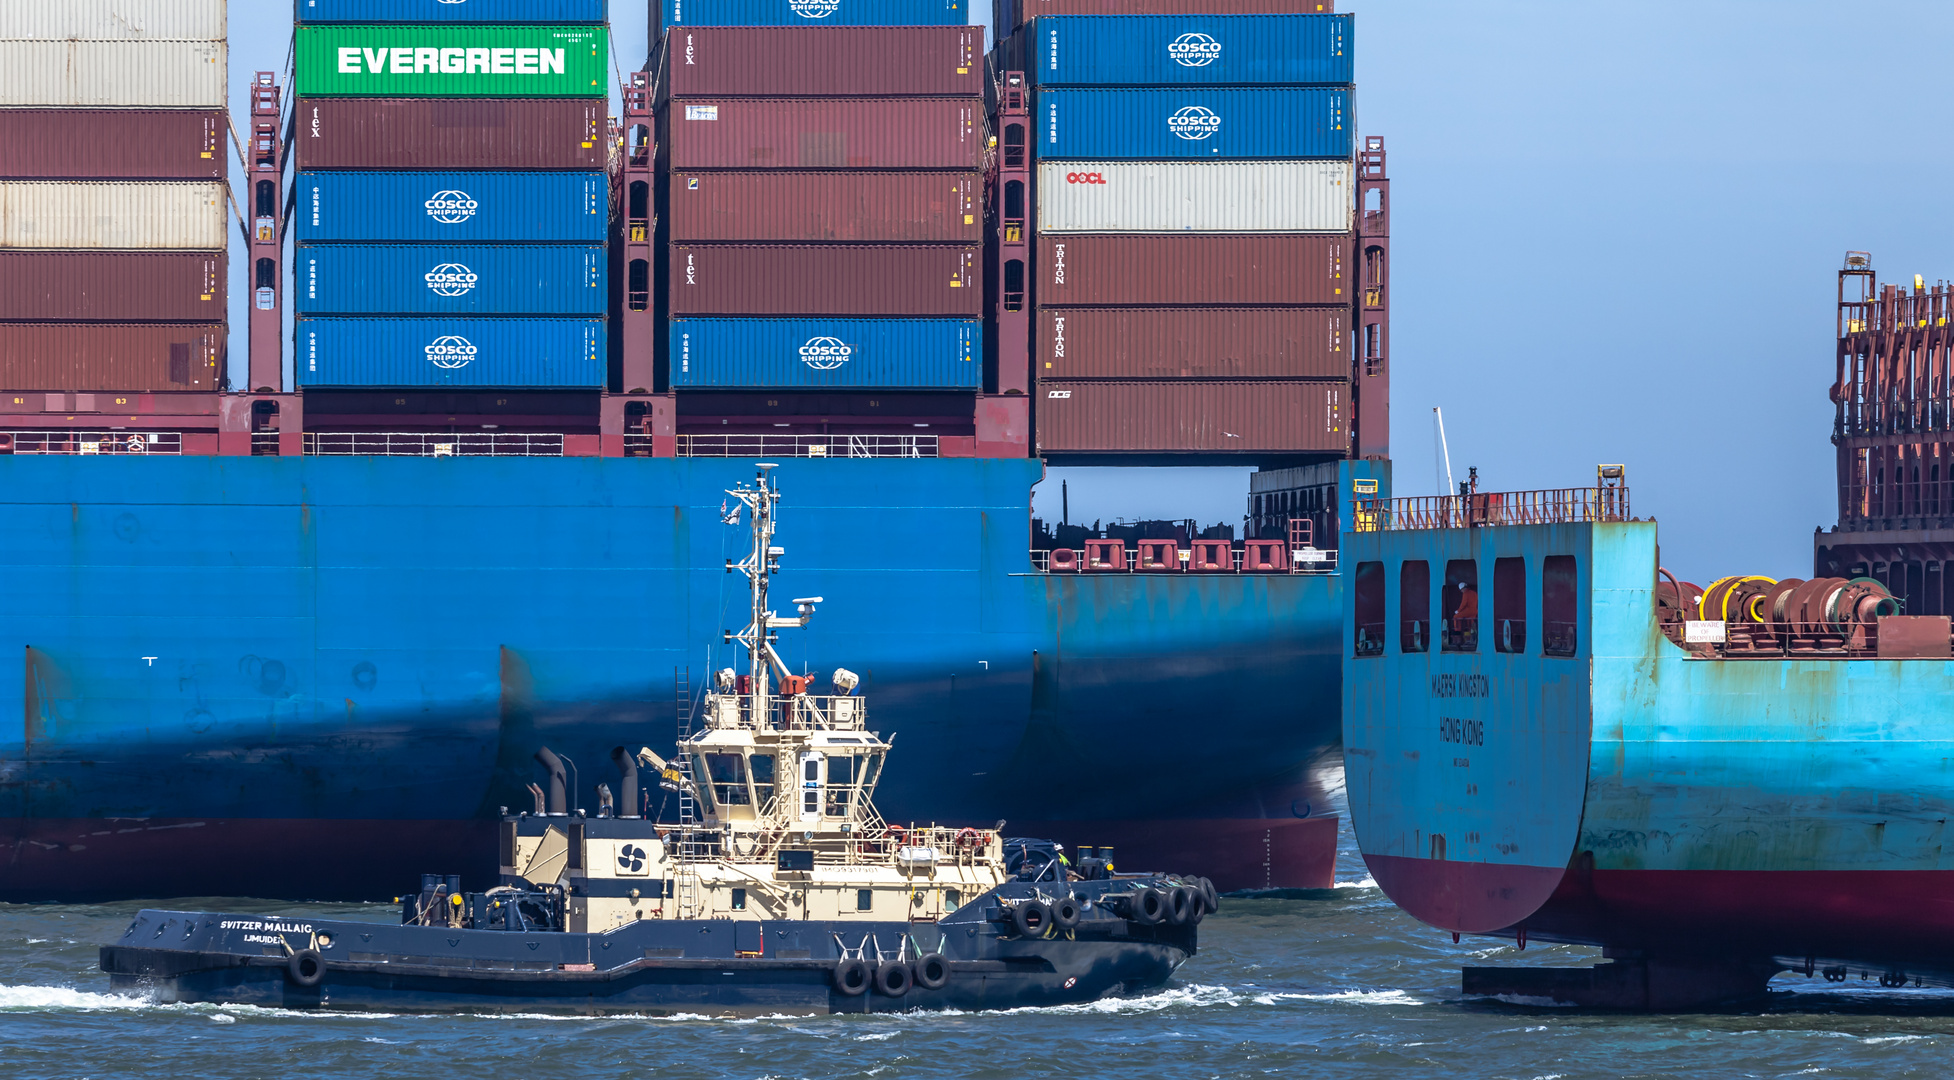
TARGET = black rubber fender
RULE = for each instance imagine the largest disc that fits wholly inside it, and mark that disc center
(930, 971)
(892, 979)
(850, 977)
(306, 968)
(1146, 907)
(1176, 905)
(1195, 907)
(1209, 894)
(1031, 918)
(1065, 913)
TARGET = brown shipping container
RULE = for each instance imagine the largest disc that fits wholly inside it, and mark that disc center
(119, 286)
(1233, 416)
(1256, 270)
(452, 133)
(856, 207)
(113, 144)
(1197, 343)
(827, 61)
(825, 133)
(753, 279)
(111, 356)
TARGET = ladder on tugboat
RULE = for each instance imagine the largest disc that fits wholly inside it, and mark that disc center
(682, 686)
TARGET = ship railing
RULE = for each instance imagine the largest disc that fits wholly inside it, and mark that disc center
(91, 442)
(434, 444)
(812, 446)
(1745, 640)
(1549, 506)
(821, 712)
(1248, 557)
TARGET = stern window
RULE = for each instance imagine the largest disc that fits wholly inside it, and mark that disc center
(1510, 605)
(1369, 593)
(1557, 606)
(864, 899)
(1415, 606)
(739, 899)
(1460, 603)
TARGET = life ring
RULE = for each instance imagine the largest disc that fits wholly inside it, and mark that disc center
(1065, 913)
(968, 839)
(892, 979)
(850, 977)
(931, 971)
(306, 968)
(1031, 919)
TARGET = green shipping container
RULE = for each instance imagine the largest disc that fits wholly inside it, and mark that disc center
(456, 60)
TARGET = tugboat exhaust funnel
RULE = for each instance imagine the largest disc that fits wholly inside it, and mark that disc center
(627, 785)
(555, 766)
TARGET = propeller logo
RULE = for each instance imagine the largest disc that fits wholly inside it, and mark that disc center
(1194, 50)
(451, 352)
(1194, 122)
(451, 207)
(826, 353)
(451, 279)
(631, 859)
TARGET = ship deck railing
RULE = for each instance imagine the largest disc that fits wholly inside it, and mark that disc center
(1547, 506)
(135, 443)
(807, 446)
(796, 712)
(434, 444)
(1745, 640)
(869, 842)
(1242, 558)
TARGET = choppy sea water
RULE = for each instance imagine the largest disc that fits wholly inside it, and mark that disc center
(1331, 984)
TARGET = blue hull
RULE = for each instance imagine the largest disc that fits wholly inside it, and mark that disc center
(245, 646)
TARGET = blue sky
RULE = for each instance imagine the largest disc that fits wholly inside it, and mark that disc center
(1616, 234)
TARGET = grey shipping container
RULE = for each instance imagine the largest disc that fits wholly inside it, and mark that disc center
(856, 207)
(113, 20)
(1183, 343)
(1193, 270)
(129, 215)
(111, 356)
(1230, 416)
(113, 144)
(104, 74)
(111, 286)
(826, 61)
(826, 133)
(1194, 196)
(830, 279)
(452, 133)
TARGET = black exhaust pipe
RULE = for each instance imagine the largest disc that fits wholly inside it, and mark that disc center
(555, 766)
(627, 785)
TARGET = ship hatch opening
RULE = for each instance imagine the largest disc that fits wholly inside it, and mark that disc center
(1460, 603)
(1557, 606)
(1415, 606)
(1369, 592)
(1510, 605)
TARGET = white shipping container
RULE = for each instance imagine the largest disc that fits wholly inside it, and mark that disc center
(105, 74)
(112, 20)
(1195, 196)
(113, 215)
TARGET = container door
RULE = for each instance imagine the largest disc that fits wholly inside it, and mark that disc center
(814, 785)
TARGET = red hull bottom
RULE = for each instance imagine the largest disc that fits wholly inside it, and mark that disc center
(101, 859)
(1235, 853)
(1886, 919)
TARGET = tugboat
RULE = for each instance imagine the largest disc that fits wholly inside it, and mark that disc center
(779, 890)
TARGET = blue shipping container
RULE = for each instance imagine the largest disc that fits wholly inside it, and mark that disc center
(881, 354)
(1175, 50)
(1194, 123)
(451, 11)
(451, 279)
(453, 207)
(815, 13)
(493, 353)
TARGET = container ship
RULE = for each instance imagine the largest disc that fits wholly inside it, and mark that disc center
(1549, 737)
(270, 629)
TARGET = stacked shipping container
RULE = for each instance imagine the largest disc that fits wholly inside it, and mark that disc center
(452, 197)
(823, 196)
(112, 195)
(1194, 211)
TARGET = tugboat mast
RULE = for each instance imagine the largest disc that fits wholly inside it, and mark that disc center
(761, 563)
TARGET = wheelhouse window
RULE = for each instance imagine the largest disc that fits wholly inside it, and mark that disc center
(1415, 606)
(1460, 605)
(762, 766)
(1369, 594)
(1510, 605)
(728, 772)
(842, 773)
(1559, 614)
